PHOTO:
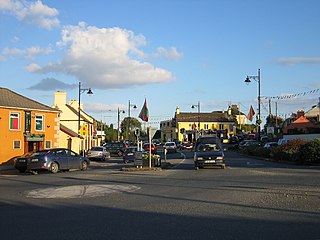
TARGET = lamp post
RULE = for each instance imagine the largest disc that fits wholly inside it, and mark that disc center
(81, 90)
(258, 80)
(129, 120)
(118, 132)
(197, 106)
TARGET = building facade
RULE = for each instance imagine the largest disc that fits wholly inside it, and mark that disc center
(25, 125)
(70, 137)
(187, 126)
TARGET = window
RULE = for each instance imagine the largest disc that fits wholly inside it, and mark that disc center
(39, 122)
(14, 121)
(16, 144)
(48, 144)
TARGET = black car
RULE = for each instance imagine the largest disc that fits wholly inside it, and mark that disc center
(208, 152)
(117, 148)
(128, 154)
(54, 159)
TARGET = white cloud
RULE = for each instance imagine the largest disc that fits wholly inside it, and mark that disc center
(297, 60)
(105, 58)
(30, 51)
(171, 53)
(12, 51)
(33, 67)
(31, 12)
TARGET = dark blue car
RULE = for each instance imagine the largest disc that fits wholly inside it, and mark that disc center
(53, 160)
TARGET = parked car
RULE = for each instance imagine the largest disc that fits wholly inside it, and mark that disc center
(54, 160)
(234, 140)
(270, 144)
(156, 142)
(98, 153)
(248, 143)
(116, 148)
(170, 147)
(186, 146)
(146, 147)
(208, 152)
(282, 141)
(128, 154)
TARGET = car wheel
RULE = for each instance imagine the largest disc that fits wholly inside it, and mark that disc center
(223, 166)
(84, 165)
(120, 154)
(54, 167)
(22, 170)
(196, 167)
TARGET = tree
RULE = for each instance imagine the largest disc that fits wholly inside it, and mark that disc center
(271, 121)
(111, 134)
(127, 131)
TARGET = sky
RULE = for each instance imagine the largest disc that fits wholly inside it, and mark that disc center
(169, 52)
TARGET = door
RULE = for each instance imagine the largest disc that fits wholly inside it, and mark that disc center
(61, 157)
(73, 159)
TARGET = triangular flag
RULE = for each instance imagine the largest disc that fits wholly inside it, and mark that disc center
(144, 113)
(251, 113)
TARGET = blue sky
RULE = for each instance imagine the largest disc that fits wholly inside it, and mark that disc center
(171, 52)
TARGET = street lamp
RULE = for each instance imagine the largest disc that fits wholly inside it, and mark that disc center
(197, 106)
(118, 132)
(81, 90)
(258, 80)
(129, 120)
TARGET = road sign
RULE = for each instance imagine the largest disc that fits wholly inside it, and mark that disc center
(83, 130)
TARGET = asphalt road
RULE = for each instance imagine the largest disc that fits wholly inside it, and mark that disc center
(250, 199)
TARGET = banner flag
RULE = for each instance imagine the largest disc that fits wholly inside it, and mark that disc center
(251, 113)
(144, 113)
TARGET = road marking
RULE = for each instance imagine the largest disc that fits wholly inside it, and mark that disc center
(80, 191)
(254, 164)
(184, 158)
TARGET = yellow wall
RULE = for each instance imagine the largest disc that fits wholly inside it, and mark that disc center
(7, 136)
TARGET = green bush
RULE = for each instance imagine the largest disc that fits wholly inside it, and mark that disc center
(310, 152)
(290, 151)
(296, 151)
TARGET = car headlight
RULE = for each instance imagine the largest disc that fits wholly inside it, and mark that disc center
(198, 158)
(220, 158)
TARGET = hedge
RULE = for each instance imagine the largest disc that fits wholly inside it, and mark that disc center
(296, 151)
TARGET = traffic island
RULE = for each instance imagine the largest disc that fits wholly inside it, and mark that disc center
(164, 165)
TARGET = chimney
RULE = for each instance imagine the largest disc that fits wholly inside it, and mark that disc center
(177, 110)
(300, 113)
(60, 98)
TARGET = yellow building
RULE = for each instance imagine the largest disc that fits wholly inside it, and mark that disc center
(25, 126)
(69, 123)
(187, 126)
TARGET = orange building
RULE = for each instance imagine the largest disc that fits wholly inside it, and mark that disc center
(25, 126)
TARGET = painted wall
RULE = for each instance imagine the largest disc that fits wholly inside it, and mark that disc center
(14, 143)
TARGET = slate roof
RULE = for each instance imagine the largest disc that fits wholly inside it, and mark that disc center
(10, 99)
(76, 113)
(68, 131)
(204, 117)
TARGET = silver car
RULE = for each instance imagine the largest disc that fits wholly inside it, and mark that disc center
(98, 153)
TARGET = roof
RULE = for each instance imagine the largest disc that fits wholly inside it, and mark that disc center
(10, 99)
(203, 117)
(76, 113)
(68, 131)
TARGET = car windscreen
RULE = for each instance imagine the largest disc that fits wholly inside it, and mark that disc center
(97, 149)
(207, 147)
(40, 153)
